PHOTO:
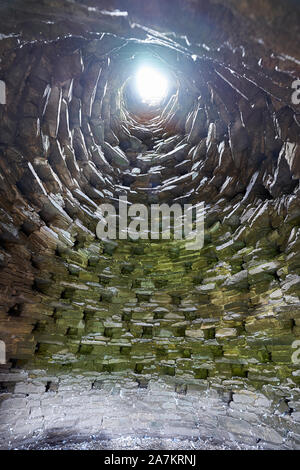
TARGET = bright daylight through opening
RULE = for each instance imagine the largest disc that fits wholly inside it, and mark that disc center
(152, 86)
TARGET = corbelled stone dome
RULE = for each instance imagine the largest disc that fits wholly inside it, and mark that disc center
(144, 337)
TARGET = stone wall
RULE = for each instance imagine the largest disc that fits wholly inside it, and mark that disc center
(101, 335)
(142, 314)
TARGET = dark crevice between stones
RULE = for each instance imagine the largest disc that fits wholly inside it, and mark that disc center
(113, 315)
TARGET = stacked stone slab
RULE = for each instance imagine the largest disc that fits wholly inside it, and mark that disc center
(78, 313)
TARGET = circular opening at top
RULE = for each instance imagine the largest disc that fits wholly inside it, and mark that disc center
(152, 86)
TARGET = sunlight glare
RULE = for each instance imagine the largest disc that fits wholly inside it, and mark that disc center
(152, 86)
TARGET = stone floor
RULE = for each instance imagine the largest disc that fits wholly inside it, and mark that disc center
(133, 443)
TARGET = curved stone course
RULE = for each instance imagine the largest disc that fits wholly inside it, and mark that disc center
(138, 331)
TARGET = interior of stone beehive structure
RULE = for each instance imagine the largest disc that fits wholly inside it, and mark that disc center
(144, 338)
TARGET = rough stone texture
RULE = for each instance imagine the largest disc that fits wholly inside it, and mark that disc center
(92, 328)
(63, 407)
